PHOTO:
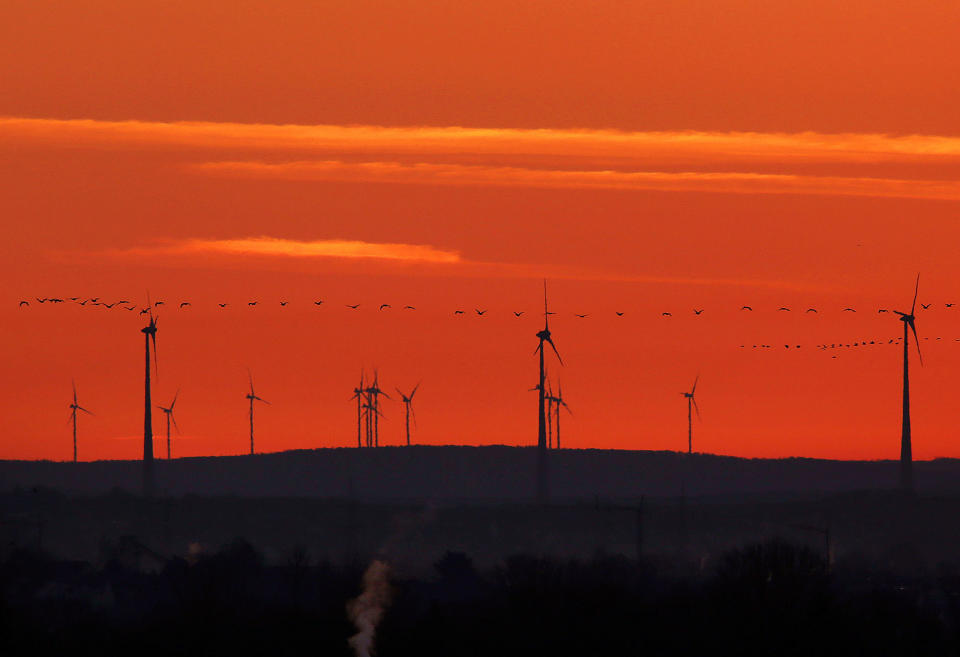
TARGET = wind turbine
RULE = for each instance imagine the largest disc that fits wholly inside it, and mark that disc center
(169, 413)
(149, 335)
(544, 337)
(74, 407)
(408, 404)
(691, 406)
(374, 393)
(906, 449)
(252, 396)
(358, 394)
(558, 402)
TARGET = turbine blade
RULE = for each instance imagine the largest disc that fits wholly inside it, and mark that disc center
(413, 414)
(696, 408)
(74, 384)
(174, 402)
(84, 410)
(916, 341)
(250, 378)
(415, 390)
(915, 290)
(156, 362)
(695, 384)
(174, 420)
(550, 340)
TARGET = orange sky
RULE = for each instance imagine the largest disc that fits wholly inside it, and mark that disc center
(645, 157)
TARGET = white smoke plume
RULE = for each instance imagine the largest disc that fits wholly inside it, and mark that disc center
(367, 609)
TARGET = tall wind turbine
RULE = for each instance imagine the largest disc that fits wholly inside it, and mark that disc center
(358, 394)
(169, 413)
(252, 396)
(544, 337)
(691, 406)
(408, 405)
(559, 403)
(74, 407)
(906, 449)
(149, 335)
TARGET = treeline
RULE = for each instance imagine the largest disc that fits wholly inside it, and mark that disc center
(770, 598)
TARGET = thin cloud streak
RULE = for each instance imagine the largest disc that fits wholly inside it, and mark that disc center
(430, 261)
(663, 146)
(456, 174)
(272, 246)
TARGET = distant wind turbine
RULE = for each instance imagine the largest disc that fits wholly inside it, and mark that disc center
(170, 418)
(559, 403)
(543, 336)
(74, 407)
(149, 335)
(906, 449)
(252, 397)
(373, 397)
(691, 406)
(358, 394)
(408, 404)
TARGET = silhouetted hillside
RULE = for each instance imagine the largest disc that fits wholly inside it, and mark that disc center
(478, 473)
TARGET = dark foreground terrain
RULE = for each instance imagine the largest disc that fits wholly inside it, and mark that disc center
(701, 556)
(770, 598)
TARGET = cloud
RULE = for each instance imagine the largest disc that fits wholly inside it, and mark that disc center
(690, 181)
(432, 261)
(276, 247)
(624, 147)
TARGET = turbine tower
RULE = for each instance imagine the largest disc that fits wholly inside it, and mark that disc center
(408, 405)
(373, 401)
(906, 449)
(358, 394)
(74, 407)
(149, 335)
(252, 396)
(691, 406)
(558, 402)
(544, 336)
(169, 413)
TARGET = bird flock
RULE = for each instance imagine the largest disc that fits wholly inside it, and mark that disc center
(129, 306)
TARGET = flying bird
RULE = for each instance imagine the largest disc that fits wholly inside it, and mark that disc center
(44, 300)
(184, 304)
(949, 305)
(129, 307)
(318, 302)
(108, 306)
(222, 305)
(883, 310)
(619, 313)
(409, 308)
(24, 303)
(252, 303)
(144, 311)
(849, 310)
(385, 305)
(697, 312)
(746, 308)
(667, 314)
(925, 305)
(457, 312)
(583, 316)
(480, 312)
(284, 303)
(517, 313)
(158, 303)
(353, 306)
(784, 308)
(811, 310)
